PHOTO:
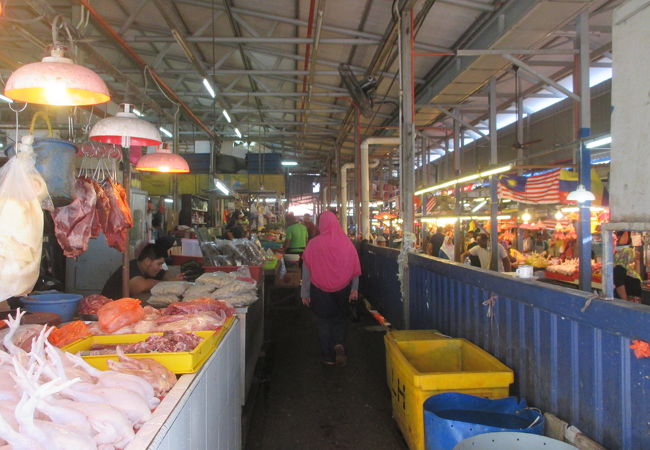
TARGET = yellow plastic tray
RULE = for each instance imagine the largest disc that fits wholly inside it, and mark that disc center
(177, 362)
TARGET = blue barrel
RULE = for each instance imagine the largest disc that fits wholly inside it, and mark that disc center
(55, 162)
(451, 417)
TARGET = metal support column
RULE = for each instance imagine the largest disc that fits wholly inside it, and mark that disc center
(407, 126)
(126, 183)
(608, 261)
(458, 238)
(494, 200)
(584, 160)
(407, 135)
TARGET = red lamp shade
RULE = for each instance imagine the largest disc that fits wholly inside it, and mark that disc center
(163, 161)
(56, 81)
(125, 129)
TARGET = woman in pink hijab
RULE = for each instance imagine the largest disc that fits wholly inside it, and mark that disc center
(330, 279)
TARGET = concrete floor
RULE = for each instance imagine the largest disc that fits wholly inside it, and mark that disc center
(303, 404)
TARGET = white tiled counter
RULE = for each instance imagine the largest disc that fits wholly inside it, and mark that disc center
(203, 409)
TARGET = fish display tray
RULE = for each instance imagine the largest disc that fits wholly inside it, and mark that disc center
(177, 362)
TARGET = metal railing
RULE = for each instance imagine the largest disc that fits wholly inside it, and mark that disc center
(570, 351)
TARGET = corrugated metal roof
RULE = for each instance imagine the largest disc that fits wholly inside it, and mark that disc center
(267, 104)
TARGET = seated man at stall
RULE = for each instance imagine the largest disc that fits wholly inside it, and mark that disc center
(485, 255)
(145, 272)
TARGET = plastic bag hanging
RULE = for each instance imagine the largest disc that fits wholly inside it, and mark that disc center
(23, 195)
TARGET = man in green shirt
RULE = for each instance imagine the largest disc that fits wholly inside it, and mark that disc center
(297, 234)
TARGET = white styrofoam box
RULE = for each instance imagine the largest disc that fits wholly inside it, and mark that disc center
(190, 247)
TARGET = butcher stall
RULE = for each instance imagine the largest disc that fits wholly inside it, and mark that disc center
(203, 409)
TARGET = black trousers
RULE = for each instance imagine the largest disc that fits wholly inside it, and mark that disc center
(331, 311)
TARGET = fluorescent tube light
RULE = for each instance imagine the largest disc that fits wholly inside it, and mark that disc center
(465, 179)
(221, 187)
(208, 87)
(169, 200)
(6, 99)
(289, 163)
(598, 142)
(137, 112)
(237, 132)
(479, 206)
(225, 114)
(166, 132)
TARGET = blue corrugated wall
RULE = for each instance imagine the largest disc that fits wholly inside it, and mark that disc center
(576, 364)
(379, 282)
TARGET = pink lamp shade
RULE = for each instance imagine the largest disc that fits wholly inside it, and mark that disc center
(163, 161)
(56, 81)
(125, 129)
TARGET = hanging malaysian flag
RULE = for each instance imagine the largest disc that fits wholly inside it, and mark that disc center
(543, 188)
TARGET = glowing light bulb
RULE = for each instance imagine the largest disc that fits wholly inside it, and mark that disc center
(526, 217)
(163, 169)
(57, 95)
(559, 215)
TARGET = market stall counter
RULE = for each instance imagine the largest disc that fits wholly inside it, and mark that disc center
(203, 409)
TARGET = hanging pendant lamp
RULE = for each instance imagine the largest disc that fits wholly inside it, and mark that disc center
(57, 80)
(581, 195)
(163, 161)
(125, 129)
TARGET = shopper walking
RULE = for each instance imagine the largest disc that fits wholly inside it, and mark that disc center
(330, 279)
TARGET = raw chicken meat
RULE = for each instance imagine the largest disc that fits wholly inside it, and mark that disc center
(201, 321)
(198, 305)
(53, 400)
(161, 378)
(119, 219)
(22, 191)
(23, 336)
(73, 223)
(91, 303)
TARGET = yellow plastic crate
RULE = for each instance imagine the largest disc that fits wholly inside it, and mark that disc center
(177, 362)
(420, 367)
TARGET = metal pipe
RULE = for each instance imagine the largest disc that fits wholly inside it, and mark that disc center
(584, 161)
(343, 197)
(253, 40)
(494, 199)
(365, 179)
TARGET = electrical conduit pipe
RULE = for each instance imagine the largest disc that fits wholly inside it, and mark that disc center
(365, 179)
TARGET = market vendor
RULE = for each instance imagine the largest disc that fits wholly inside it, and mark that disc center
(485, 255)
(145, 272)
(625, 286)
(296, 239)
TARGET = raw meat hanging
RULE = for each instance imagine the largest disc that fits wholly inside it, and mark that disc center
(73, 223)
(102, 210)
(119, 219)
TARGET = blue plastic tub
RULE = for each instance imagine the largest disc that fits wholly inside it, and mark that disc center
(451, 417)
(65, 305)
